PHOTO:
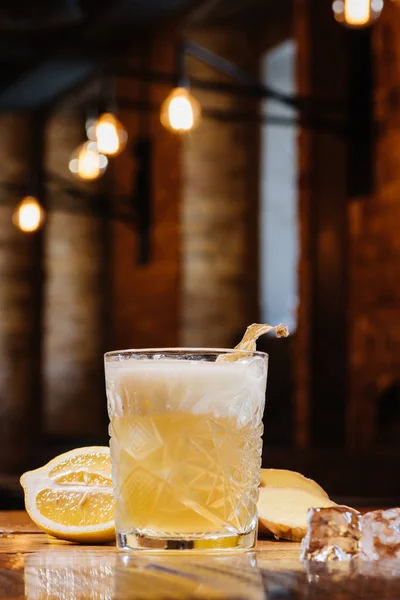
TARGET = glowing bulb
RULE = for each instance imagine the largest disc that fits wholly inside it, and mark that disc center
(108, 133)
(180, 111)
(29, 215)
(87, 163)
(357, 13)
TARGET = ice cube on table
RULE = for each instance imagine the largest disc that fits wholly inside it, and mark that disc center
(333, 533)
(381, 534)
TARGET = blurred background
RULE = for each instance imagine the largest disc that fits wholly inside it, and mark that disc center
(268, 191)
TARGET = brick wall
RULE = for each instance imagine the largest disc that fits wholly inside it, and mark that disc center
(220, 207)
(97, 297)
(201, 284)
(74, 293)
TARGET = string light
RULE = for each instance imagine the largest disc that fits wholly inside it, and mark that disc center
(87, 163)
(108, 133)
(357, 13)
(29, 215)
(180, 111)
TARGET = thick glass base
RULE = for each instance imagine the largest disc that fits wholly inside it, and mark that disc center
(138, 541)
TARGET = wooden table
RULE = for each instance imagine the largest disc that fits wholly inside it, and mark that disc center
(35, 566)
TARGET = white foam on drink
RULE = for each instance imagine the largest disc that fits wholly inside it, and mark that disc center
(144, 386)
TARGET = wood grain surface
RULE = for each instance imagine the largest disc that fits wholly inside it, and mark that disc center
(35, 566)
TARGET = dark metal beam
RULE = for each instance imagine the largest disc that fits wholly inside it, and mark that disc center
(232, 71)
(253, 88)
(62, 65)
(47, 81)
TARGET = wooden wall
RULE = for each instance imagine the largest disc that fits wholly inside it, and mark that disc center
(374, 351)
(145, 298)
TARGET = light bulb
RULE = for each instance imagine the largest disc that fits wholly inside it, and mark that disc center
(180, 111)
(87, 163)
(108, 133)
(29, 215)
(357, 13)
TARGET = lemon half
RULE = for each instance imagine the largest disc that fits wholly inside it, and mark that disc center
(71, 497)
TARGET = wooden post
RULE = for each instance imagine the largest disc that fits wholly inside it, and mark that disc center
(321, 337)
(18, 282)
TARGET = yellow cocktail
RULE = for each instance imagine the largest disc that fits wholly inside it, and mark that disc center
(186, 444)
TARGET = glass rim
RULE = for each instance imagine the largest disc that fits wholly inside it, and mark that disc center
(187, 350)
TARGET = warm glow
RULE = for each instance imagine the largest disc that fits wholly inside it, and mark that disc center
(108, 133)
(29, 215)
(180, 111)
(87, 163)
(180, 114)
(107, 138)
(357, 13)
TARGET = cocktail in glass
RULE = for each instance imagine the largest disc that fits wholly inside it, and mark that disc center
(185, 428)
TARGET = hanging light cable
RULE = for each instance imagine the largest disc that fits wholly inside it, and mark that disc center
(104, 128)
(357, 13)
(29, 214)
(180, 111)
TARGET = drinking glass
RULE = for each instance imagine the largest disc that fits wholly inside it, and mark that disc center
(185, 429)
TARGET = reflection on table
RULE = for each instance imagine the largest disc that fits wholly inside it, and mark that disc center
(96, 576)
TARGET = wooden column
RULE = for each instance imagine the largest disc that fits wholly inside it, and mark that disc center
(321, 342)
(75, 290)
(18, 281)
(145, 297)
(220, 207)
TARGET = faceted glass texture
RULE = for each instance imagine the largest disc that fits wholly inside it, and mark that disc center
(185, 430)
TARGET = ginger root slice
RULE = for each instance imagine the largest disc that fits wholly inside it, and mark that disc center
(282, 511)
(285, 478)
(253, 332)
(251, 335)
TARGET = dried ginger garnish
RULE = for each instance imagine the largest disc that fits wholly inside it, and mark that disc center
(252, 333)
